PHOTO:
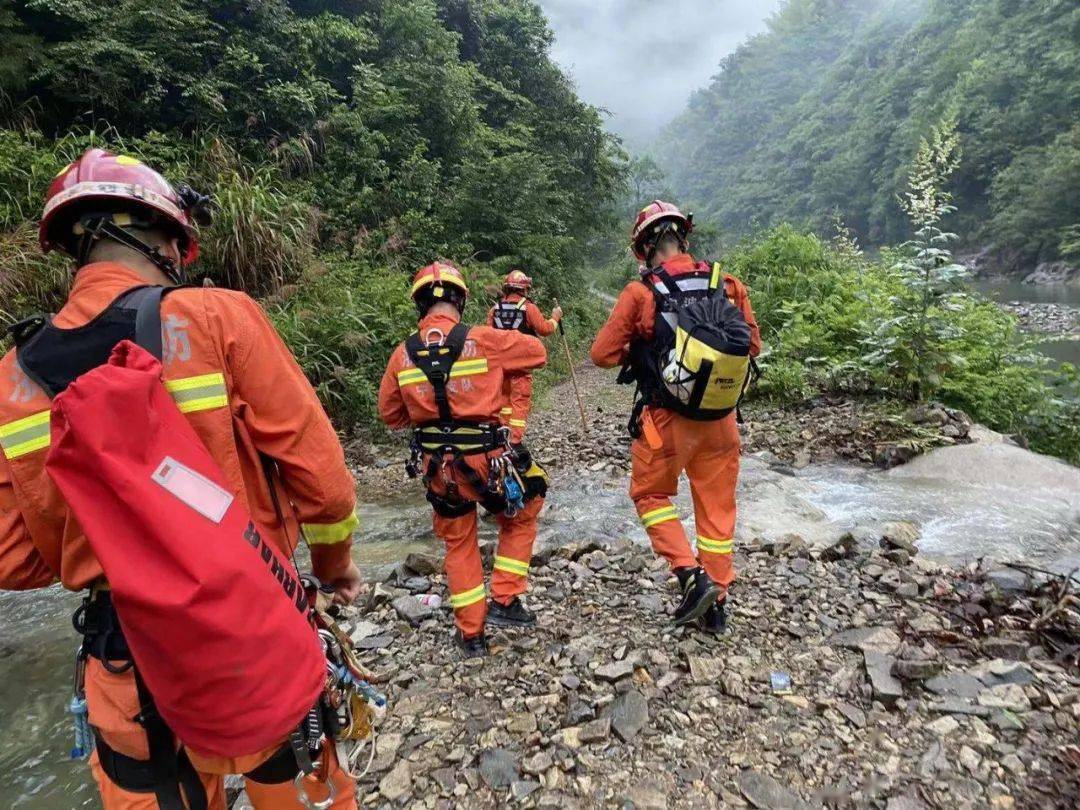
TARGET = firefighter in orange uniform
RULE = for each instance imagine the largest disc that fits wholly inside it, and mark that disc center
(446, 381)
(246, 398)
(515, 311)
(668, 443)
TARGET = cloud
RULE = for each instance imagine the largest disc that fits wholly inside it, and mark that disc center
(641, 59)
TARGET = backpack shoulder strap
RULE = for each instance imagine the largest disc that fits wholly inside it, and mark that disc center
(436, 360)
(146, 301)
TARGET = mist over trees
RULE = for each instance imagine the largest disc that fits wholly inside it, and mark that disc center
(819, 117)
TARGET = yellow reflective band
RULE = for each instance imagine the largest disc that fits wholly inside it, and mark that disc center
(505, 411)
(714, 282)
(512, 566)
(327, 534)
(25, 436)
(462, 368)
(203, 393)
(517, 423)
(715, 546)
(463, 600)
(661, 515)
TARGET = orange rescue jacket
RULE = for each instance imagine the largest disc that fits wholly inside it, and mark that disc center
(477, 396)
(243, 392)
(534, 319)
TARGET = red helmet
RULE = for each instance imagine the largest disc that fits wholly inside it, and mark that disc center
(438, 275)
(653, 214)
(517, 280)
(113, 184)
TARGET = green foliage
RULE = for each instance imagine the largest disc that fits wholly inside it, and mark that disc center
(822, 112)
(819, 304)
(914, 344)
(347, 144)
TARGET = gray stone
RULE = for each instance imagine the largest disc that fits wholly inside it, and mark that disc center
(646, 797)
(412, 609)
(765, 793)
(629, 714)
(900, 534)
(615, 671)
(417, 584)
(997, 647)
(705, 670)
(843, 547)
(397, 784)
(881, 639)
(1008, 696)
(918, 670)
(537, 764)
(887, 689)
(424, 565)
(943, 726)
(521, 789)
(375, 642)
(853, 714)
(498, 768)
(363, 630)
(596, 731)
(955, 684)
(905, 803)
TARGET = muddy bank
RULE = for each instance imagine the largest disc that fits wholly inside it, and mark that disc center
(911, 685)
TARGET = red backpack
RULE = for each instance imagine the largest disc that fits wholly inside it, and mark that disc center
(216, 621)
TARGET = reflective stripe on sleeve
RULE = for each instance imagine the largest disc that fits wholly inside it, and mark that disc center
(466, 598)
(661, 515)
(326, 534)
(715, 546)
(203, 393)
(462, 368)
(506, 411)
(512, 566)
(518, 423)
(25, 436)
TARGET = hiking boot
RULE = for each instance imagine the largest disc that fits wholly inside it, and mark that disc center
(715, 619)
(698, 595)
(512, 615)
(474, 647)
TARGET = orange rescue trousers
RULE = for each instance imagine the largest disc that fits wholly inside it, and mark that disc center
(113, 701)
(709, 454)
(464, 567)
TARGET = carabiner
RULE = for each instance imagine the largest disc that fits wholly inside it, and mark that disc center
(306, 801)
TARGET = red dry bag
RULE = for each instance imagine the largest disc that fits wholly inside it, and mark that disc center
(215, 619)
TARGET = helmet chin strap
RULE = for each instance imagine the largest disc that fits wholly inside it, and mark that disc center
(98, 228)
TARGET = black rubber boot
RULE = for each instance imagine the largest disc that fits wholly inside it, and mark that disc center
(474, 647)
(512, 615)
(715, 619)
(698, 595)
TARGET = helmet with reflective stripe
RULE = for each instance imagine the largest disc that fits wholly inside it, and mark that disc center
(101, 182)
(517, 280)
(649, 221)
(438, 283)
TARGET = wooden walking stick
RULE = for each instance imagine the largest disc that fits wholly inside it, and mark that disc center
(573, 376)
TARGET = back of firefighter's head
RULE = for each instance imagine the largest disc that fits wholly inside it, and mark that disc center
(660, 232)
(440, 283)
(106, 207)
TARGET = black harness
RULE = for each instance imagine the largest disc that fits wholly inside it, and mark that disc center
(447, 440)
(511, 316)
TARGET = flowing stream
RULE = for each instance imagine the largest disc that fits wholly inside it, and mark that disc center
(1008, 291)
(986, 499)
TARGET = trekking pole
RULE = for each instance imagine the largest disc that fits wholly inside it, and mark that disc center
(573, 376)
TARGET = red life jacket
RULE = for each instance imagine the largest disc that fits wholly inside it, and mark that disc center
(217, 623)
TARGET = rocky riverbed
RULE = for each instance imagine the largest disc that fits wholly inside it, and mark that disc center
(911, 685)
(1046, 318)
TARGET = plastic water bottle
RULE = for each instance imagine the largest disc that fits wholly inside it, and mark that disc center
(84, 738)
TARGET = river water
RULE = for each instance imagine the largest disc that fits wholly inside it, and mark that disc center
(969, 501)
(1007, 291)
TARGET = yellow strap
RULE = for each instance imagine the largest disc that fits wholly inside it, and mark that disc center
(327, 534)
(715, 546)
(517, 423)
(26, 435)
(512, 566)
(661, 515)
(717, 276)
(202, 393)
(470, 597)
(505, 411)
(462, 368)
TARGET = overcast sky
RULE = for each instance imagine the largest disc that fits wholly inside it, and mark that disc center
(641, 59)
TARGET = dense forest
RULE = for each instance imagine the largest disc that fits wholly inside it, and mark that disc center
(346, 143)
(816, 120)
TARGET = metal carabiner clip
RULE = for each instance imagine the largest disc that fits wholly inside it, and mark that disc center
(306, 800)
